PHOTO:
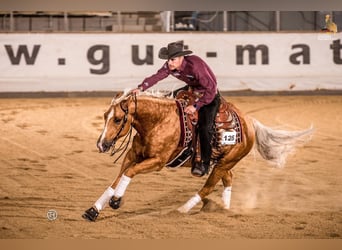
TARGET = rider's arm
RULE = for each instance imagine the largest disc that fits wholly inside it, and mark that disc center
(148, 82)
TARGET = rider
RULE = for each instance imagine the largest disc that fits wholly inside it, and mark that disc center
(196, 74)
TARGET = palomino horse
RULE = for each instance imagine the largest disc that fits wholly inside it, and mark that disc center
(156, 121)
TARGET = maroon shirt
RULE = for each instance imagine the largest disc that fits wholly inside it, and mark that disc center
(194, 72)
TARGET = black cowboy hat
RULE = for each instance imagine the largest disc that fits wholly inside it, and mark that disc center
(172, 50)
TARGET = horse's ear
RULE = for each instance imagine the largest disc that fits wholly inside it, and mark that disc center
(124, 103)
(118, 95)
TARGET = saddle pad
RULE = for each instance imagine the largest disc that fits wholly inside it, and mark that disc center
(186, 135)
(236, 128)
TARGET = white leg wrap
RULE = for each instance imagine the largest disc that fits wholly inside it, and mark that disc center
(226, 196)
(122, 186)
(103, 200)
(190, 204)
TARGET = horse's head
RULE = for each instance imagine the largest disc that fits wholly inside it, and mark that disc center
(118, 120)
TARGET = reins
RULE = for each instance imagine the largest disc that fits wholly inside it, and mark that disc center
(124, 145)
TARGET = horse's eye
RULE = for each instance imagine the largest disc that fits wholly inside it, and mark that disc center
(117, 120)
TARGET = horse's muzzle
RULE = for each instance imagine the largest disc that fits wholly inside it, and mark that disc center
(104, 146)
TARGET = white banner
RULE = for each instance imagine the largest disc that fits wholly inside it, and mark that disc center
(100, 62)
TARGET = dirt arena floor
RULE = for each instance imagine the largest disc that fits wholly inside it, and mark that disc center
(49, 161)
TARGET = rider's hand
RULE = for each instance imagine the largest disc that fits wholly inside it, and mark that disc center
(190, 110)
(136, 91)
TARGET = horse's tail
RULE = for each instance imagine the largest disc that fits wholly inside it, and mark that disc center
(276, 145)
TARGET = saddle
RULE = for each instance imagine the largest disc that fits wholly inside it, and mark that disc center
(226, 120)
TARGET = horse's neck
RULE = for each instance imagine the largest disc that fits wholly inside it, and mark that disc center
(151, 111)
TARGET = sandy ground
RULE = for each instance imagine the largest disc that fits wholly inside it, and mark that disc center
(49, 160)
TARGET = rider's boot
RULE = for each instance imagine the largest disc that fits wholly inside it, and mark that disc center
(200, 168)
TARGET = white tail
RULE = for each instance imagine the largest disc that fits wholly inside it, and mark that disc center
(276, 145)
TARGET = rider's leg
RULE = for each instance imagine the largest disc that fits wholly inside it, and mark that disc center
(206, 119)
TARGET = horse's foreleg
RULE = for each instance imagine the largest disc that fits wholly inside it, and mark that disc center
(227, 181)
(109, 193)
(115, 200)
(124, 180)
(93, 212)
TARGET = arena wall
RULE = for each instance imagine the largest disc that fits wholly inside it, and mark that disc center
(112, 62)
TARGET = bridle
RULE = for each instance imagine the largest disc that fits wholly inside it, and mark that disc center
(124, 144)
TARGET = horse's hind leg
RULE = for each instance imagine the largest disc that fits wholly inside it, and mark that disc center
(212, 180)
(227, 181)
(218, 173)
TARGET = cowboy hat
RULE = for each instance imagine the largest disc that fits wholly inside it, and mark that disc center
(172, 50)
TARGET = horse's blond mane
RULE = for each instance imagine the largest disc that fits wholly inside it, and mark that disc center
(157, 94)
(125, 95)
(150, 94)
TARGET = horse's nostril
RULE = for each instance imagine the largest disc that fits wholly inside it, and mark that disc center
(102, 147)
(105, 146)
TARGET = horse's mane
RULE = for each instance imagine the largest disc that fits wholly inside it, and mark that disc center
(154, 94)
(157, 93)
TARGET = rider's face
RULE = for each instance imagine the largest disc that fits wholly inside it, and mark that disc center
(175, 63)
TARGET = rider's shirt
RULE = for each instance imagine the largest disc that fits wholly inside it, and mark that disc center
(194, 72)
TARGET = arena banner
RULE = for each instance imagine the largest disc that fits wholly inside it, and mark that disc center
(113, 61)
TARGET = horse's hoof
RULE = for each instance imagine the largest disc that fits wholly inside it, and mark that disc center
(183, 210)
(115, 204)
(90, 214)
